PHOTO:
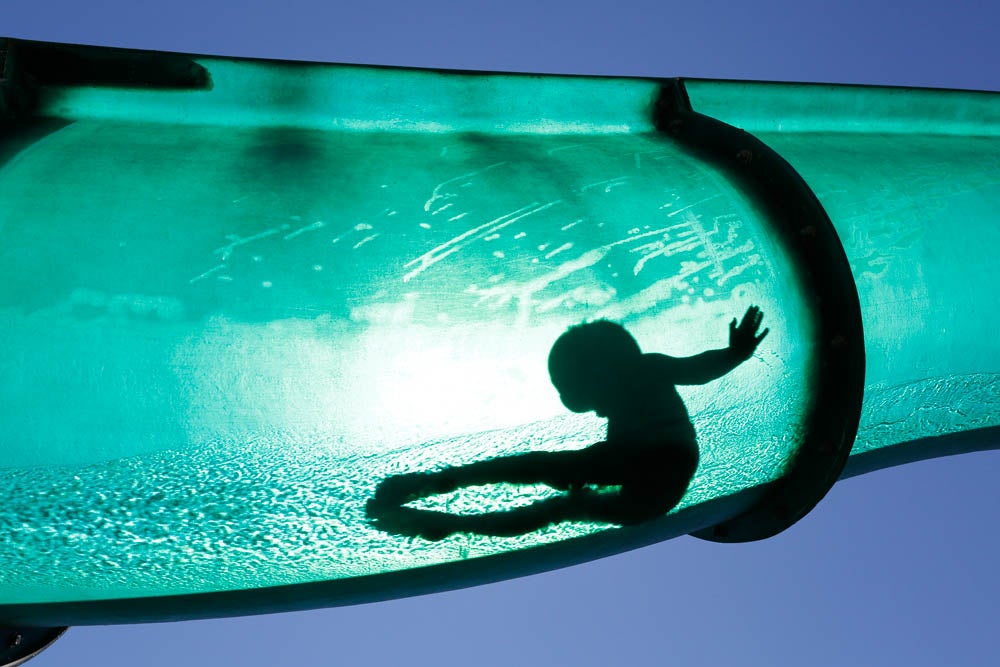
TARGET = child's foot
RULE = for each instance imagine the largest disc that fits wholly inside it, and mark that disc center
(397, 490)
(409, 522)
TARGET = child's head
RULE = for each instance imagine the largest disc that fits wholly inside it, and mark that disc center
(588, 363)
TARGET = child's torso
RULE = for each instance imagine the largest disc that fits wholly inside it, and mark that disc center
(653, 411)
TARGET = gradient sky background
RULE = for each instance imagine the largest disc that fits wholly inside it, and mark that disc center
(896, 567)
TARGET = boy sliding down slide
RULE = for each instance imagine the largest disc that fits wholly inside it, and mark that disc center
(650, 453)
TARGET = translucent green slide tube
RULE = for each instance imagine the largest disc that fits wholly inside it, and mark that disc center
(239, 295)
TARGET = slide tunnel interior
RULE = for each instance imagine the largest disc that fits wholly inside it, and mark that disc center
(232, 307)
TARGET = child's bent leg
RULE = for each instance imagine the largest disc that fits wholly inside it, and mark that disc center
(558, 469)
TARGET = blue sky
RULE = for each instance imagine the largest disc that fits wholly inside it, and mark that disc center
(896, 567)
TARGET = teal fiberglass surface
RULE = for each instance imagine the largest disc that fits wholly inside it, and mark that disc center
(228, 314)
(911, 181)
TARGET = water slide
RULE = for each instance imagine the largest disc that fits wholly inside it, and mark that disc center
(238, 295)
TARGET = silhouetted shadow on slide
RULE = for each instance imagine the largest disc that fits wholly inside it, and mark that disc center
(639, 472)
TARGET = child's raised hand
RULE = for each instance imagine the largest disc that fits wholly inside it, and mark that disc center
(743, 338)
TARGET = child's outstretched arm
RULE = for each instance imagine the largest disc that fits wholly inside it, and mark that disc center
(713, 364)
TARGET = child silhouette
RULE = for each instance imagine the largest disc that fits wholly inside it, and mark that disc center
(650, 453)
